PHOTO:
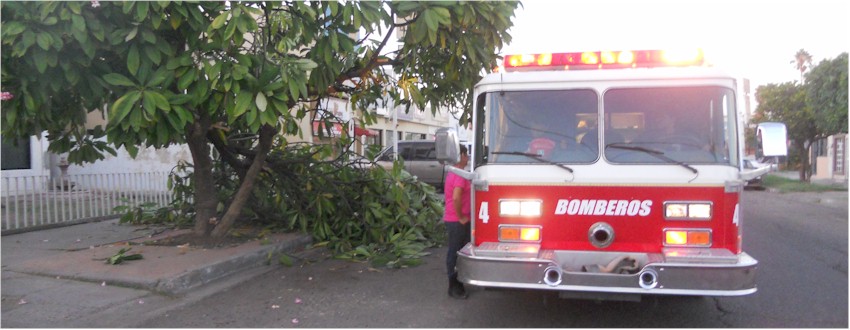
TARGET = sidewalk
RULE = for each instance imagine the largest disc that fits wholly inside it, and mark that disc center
(833, 198)
(58, 277)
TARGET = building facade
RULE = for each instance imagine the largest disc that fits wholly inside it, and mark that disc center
(830, 158)
(394, 123)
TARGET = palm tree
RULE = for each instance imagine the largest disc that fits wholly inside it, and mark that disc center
(803, 61)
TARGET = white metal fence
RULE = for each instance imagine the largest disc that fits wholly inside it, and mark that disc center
(31, 201)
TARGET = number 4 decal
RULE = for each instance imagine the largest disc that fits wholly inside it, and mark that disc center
(482, 212)
(735, 216)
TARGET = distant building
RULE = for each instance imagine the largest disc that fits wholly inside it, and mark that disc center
(830, 158)
(393, 123)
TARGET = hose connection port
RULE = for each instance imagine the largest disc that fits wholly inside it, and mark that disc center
(552, 276)
(601, 235)
(648, 279)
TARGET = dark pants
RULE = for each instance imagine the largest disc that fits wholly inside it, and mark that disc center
(458, 237)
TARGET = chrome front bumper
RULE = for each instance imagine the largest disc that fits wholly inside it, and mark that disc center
(701, 272)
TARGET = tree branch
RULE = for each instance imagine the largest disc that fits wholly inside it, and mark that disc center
(227, 153)
(370, 64)
(267, 134)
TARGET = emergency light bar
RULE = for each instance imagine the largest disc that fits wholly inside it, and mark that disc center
(603, 60)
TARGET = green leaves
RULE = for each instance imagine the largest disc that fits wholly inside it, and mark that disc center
(133, 60)
(78, 23)
(447, 48)
(434, 17)
(305, 64)
(243, 100)
(826, 94)
(285, 260)
(44, 40)
(122, 107)
(261, 102)
(121, 256)
(124, 44)
(218, 22)
(161, 67)
(13, 28)
(160, 100)
(118, 80)
(132, 34)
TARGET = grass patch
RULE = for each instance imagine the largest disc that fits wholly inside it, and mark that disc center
(784, 185)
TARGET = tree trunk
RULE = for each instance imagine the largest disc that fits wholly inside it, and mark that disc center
(202, 177)
(804, 162)
(267, 134)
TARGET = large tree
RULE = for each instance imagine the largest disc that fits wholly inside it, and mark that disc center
(826, 94)
(786, 103)
(231, 76)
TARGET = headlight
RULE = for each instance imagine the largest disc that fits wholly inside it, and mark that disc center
(520, 208)
(687, 210)
(699, 211)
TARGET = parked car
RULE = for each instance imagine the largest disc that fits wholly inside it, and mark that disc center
(754, 183)
(761, 163)
(420, 160)
(360, 162)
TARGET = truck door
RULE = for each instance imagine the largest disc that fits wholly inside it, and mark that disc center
(424, 164)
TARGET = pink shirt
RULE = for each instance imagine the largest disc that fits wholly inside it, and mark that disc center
(453, 181)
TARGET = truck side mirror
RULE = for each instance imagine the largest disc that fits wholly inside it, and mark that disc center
(771, 138)
(446, 145)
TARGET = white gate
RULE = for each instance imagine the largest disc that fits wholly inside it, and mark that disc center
(30, 201)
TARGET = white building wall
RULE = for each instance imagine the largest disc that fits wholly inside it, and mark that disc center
(146, 161)
(13, 180)
(39, 159)
(45, 164)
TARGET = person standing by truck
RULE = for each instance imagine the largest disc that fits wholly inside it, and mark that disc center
(456, 218)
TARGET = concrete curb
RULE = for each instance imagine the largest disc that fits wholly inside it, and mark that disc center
(197, 277)
(165, 270)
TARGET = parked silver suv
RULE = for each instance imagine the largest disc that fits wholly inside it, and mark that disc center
(420, 159)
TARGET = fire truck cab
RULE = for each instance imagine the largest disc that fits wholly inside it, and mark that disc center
(606, 175)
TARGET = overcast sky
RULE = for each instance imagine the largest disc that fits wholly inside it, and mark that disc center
(748, 38)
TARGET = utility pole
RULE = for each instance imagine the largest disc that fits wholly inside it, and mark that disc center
(395, 132)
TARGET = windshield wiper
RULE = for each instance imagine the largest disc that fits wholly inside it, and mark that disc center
(652, 152)
(533, 156)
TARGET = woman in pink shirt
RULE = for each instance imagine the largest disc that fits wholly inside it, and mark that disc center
(456, 218)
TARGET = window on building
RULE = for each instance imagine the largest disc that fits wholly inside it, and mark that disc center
(16, 154)
(819, 147)
(373, 140)
(838, 155)
(414, 136)
(390, 138)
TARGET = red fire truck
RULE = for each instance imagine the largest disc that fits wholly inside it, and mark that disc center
(606, 175)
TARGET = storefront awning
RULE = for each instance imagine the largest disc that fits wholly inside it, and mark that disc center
(359, 131)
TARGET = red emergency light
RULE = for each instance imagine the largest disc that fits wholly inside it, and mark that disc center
(603, 60)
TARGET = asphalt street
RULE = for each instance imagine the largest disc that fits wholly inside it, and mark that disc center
(799, 239)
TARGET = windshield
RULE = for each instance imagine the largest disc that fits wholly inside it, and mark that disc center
(544, 124)
(662, 125)
(691, 125)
